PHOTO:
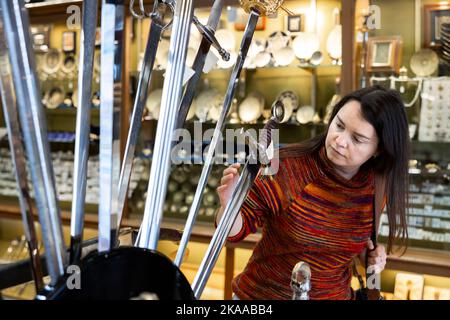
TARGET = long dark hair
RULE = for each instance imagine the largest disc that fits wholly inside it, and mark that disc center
(385, 111)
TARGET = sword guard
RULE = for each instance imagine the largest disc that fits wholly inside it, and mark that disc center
(209, 36)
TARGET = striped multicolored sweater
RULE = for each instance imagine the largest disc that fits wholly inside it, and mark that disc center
(307, 213)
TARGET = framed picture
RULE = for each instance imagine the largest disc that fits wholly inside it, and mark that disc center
(384, 54)
(40, 37)
(434, 15)
(69, 39)
(241, 21)
(294, 24)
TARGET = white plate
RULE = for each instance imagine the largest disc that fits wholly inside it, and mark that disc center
(262, 59)
(69, 65)
(284, 56)
(305, 44)
(226, 39)
(55, 97)
(207, 105)
(424, 62)
(305, 114)
(334, 43)
(52, 61)
(153, 103)
(277, 41)
(316, 58)
(258, 45)
(215, 111)
(251, 107)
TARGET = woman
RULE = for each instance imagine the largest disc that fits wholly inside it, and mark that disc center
(318, 207)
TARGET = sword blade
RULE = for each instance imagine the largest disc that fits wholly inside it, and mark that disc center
(112, 22)
(33, 124)
(193, 213)
(89, 25)
(219, 238)
(19, 161)
(199, 63)
(172, 89)
(186, 102)
(136, 117)
(246, 179)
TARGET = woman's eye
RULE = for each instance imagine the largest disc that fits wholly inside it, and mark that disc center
(356, 140)
(340, 126)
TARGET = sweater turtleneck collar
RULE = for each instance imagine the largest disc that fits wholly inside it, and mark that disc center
(360, 179)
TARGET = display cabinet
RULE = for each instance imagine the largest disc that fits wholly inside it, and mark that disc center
(313, 85)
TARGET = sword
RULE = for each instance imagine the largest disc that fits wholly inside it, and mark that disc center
(112, 23)
(200, 58)
(90, 11)
(19, 161)
(193, 213)
(33, 124)
(172, 89)
(246, 179)
(156, 29)
(186, 102)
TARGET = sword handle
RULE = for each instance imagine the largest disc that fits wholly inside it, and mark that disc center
(208, 34)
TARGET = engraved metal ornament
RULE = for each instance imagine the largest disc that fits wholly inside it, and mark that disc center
(301, 281)
(264, 7)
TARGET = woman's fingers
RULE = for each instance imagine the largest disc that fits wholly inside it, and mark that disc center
(377, 258)
(226, 179)
(230, 170)
(222, 188)
(369, 244)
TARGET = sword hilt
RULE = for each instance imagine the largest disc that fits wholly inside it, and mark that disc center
(261, 148)
(209, 36)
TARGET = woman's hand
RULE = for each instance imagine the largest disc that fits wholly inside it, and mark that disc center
(376, 258)
(228, 183)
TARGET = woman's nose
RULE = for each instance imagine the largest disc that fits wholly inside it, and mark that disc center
(341, 141)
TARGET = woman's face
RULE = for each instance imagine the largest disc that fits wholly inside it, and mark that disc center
(351, 140)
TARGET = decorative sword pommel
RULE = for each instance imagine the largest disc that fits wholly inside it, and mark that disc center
(264, 7)
(301, 281)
